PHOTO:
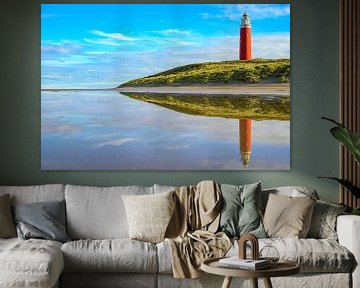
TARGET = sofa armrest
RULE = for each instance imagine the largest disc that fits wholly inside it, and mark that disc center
(348, 230)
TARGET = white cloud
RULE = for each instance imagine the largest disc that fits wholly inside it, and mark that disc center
(61, 47)
(255, 11)
(64, 129)
(102, 41)
(280, 132)
(117, 142)
(117, 36)
(173, 32)
(275, 45)
(64, 61)
(177, 147)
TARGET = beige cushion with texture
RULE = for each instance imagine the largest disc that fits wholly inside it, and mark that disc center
(149, 215)
(287, 217)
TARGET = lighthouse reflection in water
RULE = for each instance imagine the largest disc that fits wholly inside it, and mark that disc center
(110, 130)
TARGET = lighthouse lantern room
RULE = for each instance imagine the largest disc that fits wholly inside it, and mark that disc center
(245, 38)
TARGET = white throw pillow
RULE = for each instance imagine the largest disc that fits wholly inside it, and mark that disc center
(149, 215)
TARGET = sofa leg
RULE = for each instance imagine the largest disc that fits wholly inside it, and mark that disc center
(267, 282)
(254, 282)
(227, 282)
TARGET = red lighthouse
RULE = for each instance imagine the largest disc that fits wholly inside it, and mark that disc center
(245, 38)
(245, 124)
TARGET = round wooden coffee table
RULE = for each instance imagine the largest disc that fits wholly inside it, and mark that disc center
(281, 268)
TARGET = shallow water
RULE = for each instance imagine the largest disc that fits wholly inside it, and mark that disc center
(106, 130)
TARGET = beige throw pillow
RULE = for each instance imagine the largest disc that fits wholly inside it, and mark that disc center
(288, 217)
(7, 226)
(149, 215)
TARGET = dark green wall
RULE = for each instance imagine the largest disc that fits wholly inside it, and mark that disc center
(314, 90)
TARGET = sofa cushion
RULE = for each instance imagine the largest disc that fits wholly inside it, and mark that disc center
(109, 280)
(30, 263)
(287, 216)
(291, 191)
(149, 215)
(7, 226)
(313, 255)
(117, 255)
(240, 210)
(37, 193)
(323, 222)
(163, 188)
(98, 213)
(43, 220)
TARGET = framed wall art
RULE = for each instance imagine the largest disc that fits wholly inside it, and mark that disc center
(165, 86)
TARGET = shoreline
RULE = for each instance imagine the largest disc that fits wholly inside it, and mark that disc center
(259, 89)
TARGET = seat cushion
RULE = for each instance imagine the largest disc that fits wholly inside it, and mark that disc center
(30, 263)
(108, 280)
(313, 255)
(98, 213)
(117, 255)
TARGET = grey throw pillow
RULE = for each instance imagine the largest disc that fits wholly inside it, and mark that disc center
(323, 222)
(44, 220)
(240, 213)
(7, 226)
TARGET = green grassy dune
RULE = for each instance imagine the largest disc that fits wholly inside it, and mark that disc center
(225, 72)
(256, 107)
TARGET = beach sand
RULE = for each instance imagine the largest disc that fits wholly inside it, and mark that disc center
(266, 89)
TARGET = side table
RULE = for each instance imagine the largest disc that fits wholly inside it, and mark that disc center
(281, 268)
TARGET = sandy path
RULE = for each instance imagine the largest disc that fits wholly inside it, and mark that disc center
(278, 89)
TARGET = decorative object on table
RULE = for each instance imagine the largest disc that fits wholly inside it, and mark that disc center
(241, 261)
(254, 246)
(351, 142)
(269, 253)
(282, 268)
(247, 264)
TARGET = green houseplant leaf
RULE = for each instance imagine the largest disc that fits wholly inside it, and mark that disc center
(348, 138)
(351, 141)
(347, 184)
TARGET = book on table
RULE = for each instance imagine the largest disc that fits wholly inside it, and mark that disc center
(236, 262)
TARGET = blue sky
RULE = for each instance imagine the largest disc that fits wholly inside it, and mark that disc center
(104, 45)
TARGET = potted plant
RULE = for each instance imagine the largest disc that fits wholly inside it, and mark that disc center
(351, 141)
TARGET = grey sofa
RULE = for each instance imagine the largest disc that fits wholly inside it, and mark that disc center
(101, 255)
